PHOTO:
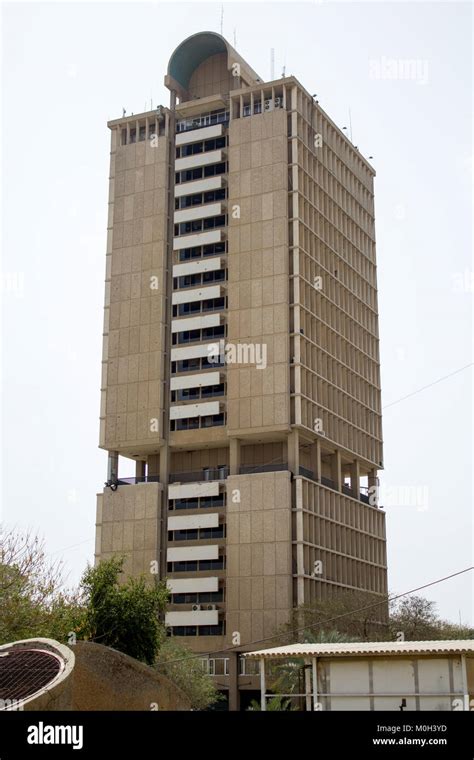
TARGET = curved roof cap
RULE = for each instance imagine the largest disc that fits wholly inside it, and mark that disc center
(196, 49)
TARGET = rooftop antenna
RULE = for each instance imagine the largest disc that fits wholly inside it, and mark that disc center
(272, 64)
(222, 19)
(350, 126)
(235, 38)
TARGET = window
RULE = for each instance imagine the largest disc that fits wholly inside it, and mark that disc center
(194, 534)
(198, 598)
(190, 566)
(205, 502)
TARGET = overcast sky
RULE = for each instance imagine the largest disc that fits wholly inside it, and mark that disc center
(403, 70)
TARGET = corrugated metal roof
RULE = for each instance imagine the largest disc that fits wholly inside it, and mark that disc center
(361, 648)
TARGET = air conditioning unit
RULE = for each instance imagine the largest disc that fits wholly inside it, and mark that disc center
(278, 102)
(268, 104)
(211, 607)
(196, 607)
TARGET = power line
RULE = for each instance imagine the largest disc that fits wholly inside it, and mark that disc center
(58, 551)
(320, 623)
(430, 385)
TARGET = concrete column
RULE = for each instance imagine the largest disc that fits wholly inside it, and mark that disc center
(263, 688)
(140, 468)
(234, 456)
(314, 664)
(355, 478)
(293, 446)
(373, 483)
(234, 696)
(315, 454)
(164, 460)
(112, 465)
(336, 475)
(307, 685)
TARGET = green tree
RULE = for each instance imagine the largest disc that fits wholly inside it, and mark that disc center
(33, 600)
(347, 616)
(274, 704)
(124, 616)
(416, 618)
(182, 667)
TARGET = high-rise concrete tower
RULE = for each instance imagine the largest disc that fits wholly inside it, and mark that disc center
(241, 356)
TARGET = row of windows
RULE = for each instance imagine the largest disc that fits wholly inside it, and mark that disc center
(206, 333)
(141, 135)
(201, 598)
(196, 534)
(203, 502)
(200, 199)
(190, 566)
(197, 630)
(194, 423)
(195, 365)
(200, 392)
(195, 148)
(196, 307)
(203, 278)
(198, 225)
(219, 116)
(201, 172)
(201, 251)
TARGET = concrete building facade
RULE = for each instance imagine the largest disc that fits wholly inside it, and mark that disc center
(240, 352)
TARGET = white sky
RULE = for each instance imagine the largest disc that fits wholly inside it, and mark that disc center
(67, 69)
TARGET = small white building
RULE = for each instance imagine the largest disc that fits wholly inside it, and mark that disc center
(383, 675)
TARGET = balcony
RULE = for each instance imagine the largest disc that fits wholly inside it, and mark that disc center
(199, 476)
(363, 494)
(136, 481)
